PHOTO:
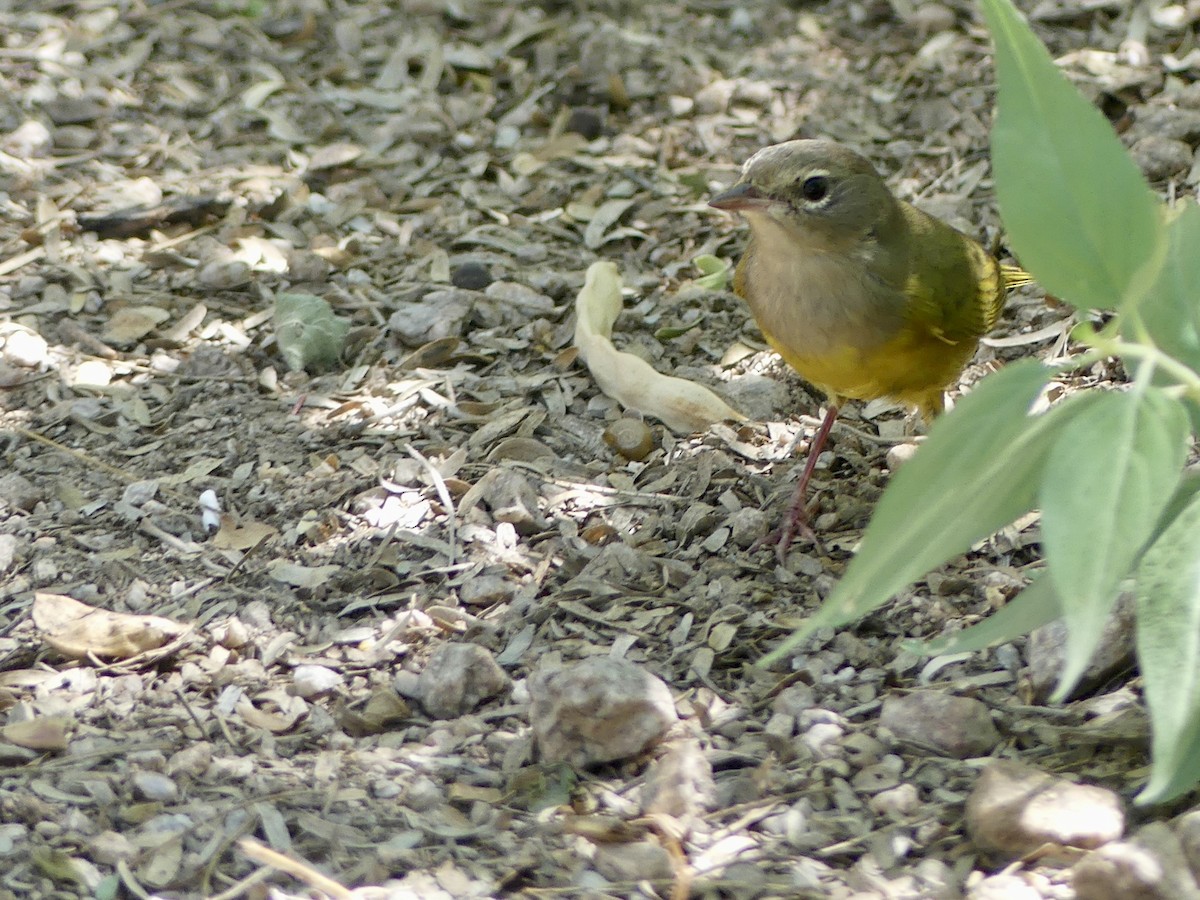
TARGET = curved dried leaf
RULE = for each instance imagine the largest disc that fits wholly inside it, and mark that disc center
(78, 630)
(683, 405)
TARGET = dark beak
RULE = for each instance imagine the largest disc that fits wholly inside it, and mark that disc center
(739, 197)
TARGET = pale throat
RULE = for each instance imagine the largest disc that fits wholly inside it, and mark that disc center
(813, 292)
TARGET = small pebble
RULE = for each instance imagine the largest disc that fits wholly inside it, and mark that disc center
(486, 590)
(10, 835)
(18, 492)
(8, 551)
(25, 348)
(30, 140)
(641, 861)
(899, 455)
(1161, 158)
(457, 678)
(897, 802)
(747, 526)
(740, 21)
(586, 121)
(423, 795)
(600, 710)
(311, 681)
(822, 739)
(471, 276)
(437, 315)
(632, 438)
(1151, 866)
(111, 847)
(1046, 653)
(154, 786)
(512, 499)
(385, 789)
(932, 18)
(1004, 887)
(714, 97)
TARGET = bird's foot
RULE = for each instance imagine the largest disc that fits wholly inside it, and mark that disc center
(795, 525)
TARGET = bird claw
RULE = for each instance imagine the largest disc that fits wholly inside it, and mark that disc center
(795, 526)
(790, 531)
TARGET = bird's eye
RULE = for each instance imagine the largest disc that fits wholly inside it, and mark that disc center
(815, 188)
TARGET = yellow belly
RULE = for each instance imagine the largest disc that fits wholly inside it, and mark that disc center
(913, 369)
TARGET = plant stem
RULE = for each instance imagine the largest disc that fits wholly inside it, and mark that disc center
(1157, 359)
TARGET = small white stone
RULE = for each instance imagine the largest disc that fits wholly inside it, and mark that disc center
(154, 786)
(310, 681)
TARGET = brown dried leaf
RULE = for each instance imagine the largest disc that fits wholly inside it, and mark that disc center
(41, 733)
(232, 536)
(78, 630)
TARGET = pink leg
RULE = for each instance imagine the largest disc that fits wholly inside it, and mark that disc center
(797, 518)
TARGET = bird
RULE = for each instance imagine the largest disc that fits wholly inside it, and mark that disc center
(860, 292)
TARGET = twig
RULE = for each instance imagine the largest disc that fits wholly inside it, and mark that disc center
(294, 867)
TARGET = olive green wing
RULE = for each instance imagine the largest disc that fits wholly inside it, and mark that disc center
(954, 288)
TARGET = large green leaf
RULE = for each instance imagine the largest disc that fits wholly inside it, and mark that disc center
(1078, 212)
(1171, 311)
(1168, 641)
(1185, 492)
(977, 471)
(1035, 606)
(1108, 478)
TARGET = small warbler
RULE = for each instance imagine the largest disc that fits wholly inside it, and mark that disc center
(863, 294)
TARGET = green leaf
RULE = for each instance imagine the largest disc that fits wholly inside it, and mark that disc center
(1170, 313)
(670, 332)
(1108, 478)
(1079, 214)
(1168, 641)
(309, 335)
(975, 473)
(714, 272)
(1034, 607)
(1188, 488)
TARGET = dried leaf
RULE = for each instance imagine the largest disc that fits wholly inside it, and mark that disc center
(41, 733)
(301, 576)
(233, 536)
(594, 236)
(133, 323)
(291, 711)
(78, 630)
(683, 405)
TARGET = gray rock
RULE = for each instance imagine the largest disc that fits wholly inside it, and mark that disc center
(960, 727)
(600, 710)
(1152, 866)
(457, 678)
(437, 315)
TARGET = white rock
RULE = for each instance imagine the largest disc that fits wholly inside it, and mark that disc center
(1015, 809)
(310, 681)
